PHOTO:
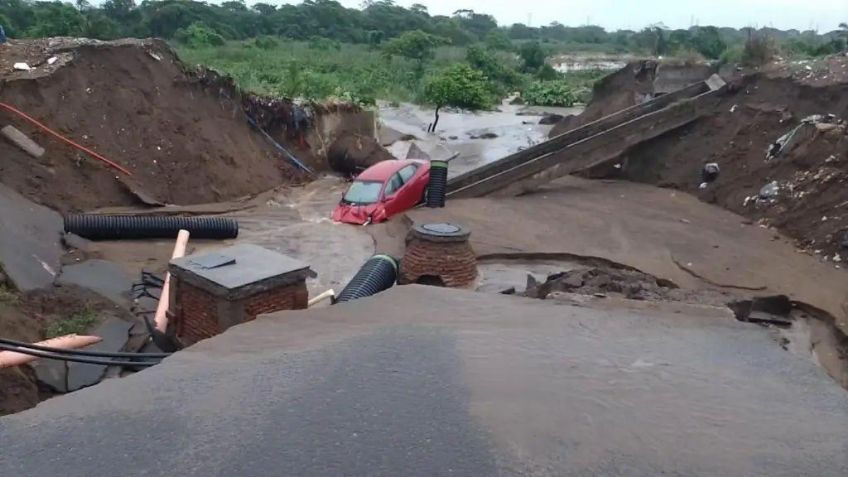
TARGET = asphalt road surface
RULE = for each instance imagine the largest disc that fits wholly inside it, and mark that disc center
(430, 382)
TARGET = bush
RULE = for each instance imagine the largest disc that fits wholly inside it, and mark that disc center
(547, 73)
(759, 50)
(533, 56)
(266, 42)
(550, 93)
(198, 35)
(460, 86)
(502, 78)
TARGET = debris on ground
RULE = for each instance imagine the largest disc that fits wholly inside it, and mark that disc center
(550, 119)
(182, 135)
(808, 169)
(351, 154)
(709, 174)
(620, 282)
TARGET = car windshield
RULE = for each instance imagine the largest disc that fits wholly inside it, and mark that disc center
(362, 192)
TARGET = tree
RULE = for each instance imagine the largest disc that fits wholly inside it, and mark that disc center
(707, 41)
(460, 86)
(532, 55)
(415, 45)
(498, 40)
(57, 19)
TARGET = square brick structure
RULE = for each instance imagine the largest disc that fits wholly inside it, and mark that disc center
(214, 291)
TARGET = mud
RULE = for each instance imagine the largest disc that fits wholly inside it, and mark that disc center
(811, 172)
(26, 318)
(184, 139)
(351, 154)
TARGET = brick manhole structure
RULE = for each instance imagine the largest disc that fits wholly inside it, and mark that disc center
(214, 291)
(438, 254)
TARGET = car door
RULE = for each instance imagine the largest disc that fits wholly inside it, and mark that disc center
(391, 194)
(408, 196)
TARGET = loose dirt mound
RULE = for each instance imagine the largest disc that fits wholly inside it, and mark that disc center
(351, 154)
(184, 139)
(811, 203)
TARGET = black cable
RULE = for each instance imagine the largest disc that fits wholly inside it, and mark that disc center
(75, 359)
(100, 354)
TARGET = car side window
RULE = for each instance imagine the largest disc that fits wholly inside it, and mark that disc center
(395, 183)
(407, 172)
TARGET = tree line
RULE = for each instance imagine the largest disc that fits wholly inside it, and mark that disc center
(377, 22)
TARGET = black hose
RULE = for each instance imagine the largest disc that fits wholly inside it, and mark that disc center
(75, 359)
(81, 352)
(377, 274)
(116, 227)
(437, 188)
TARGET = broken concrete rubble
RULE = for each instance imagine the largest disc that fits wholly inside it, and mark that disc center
(30, 236)
(64, 377)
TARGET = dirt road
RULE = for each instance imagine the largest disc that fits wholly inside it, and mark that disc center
(662, 232)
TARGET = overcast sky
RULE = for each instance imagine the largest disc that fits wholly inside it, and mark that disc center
(824, 15)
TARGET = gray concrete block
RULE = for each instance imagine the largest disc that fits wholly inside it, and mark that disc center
(22, 141)
(102, 277)
(30, 235)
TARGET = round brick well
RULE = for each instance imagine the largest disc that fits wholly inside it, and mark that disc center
(438, 254)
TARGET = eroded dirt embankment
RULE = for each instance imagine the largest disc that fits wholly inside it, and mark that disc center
(184, 139)
(810, 199)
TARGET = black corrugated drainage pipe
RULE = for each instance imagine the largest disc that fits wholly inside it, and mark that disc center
(438, 186)
(116, 227)
(377, 274)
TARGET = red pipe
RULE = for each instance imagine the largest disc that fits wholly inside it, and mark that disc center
(64, 139)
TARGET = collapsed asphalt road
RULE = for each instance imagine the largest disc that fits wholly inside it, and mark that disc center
(427, 381)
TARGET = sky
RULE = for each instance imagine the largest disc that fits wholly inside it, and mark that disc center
(821, 15)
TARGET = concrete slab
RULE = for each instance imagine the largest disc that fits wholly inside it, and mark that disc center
(100, 276)
(65, 377)
(426, 381)
(30, 247)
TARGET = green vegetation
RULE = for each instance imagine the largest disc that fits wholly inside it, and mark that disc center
(319, 49)
(566, 90)
(459, 86)
(77, 323)
(7, 296)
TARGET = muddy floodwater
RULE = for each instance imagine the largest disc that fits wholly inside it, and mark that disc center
(479, 138)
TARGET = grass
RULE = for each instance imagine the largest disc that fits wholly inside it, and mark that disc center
(318, 71)
(77, 323)
(7, 296)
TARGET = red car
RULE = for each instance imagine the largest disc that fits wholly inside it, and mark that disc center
(383, 190)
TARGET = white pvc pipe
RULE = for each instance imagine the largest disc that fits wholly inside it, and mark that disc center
(160, 319)
(318, 299)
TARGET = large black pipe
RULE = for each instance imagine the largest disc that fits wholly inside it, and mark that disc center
(438, 186)
(116, 227)
(377, 274)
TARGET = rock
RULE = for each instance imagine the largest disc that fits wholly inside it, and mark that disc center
(66, 377)
(102, 277)
(550, 119)
(845, 241)
(769, 191)
(76, 242)
(353, 153)
(572, 280)
(23, 141)
(415, 152)
(485, 135)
